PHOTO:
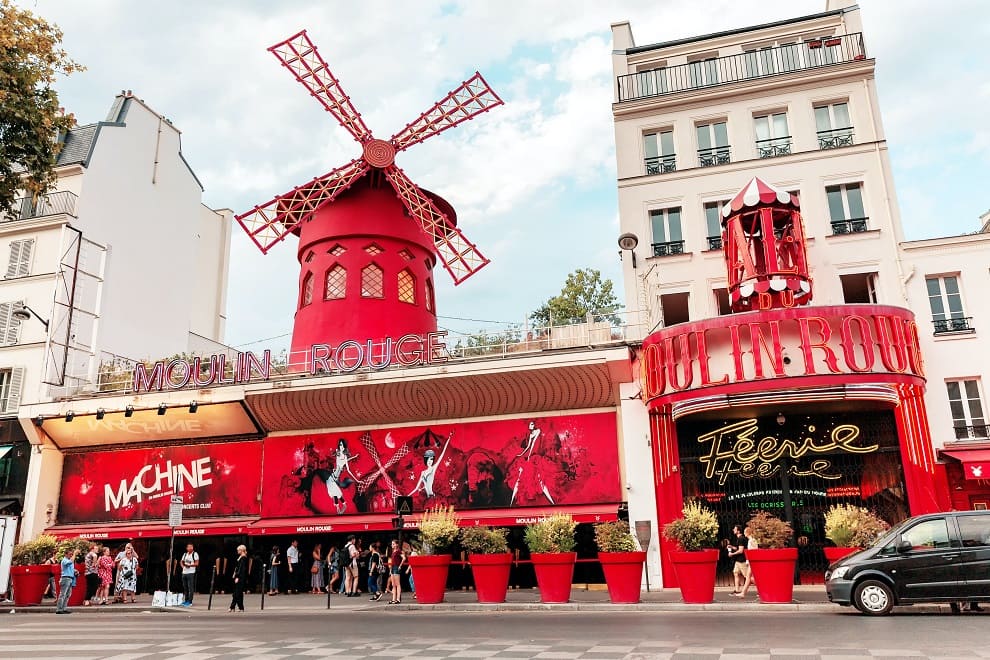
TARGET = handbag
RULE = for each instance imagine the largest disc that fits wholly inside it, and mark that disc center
(128, 574)
(314, 569)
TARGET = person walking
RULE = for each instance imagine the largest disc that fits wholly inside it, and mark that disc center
(127, 575)
(240, 577)
(737, 551)
(351, 554)
(751, 544)
(50, 589)
(333, 568)
(105, 571)
(66, 581)
(293, 581)
(92, 562)
(407, 552)
(276, 565)
(190, 562)
(398, 563)
(316, 571)
(376, 569)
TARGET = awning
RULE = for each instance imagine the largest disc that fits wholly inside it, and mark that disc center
(153, 530)
(9, 502)
(5, 449)
(975, 462)
(322, 525)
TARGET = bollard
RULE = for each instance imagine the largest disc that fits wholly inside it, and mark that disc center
(213, 577)
(264, 572)
(329, 591)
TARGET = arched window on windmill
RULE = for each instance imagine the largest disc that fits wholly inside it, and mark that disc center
(407, 287)
(336, 283)
(372, 282)
(307, 290)
(430, 304)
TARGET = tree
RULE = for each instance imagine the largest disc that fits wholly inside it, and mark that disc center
(584, 292)
(30, 118)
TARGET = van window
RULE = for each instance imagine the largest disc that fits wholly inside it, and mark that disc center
(974, 530)
(927, 535)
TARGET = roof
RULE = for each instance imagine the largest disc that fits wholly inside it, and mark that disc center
(759, 193)
(78, 145)
(726, 33)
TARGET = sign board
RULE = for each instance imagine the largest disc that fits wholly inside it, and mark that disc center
(403, 505)
(644, 532)
(175, 511)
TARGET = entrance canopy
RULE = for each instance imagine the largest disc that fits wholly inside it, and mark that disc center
(975, 462)
(152, 529)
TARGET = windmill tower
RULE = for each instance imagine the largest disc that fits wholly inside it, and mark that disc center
(368, 236)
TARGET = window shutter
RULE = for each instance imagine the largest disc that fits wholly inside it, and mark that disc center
(24, 265)
(10, 328)
(13, 401)
(15, 259)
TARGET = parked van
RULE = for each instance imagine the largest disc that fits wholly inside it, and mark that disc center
(934, 558)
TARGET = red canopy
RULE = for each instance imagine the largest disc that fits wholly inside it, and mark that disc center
(756, 193)
(975, 462)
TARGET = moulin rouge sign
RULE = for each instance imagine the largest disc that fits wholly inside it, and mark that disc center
(348, 356)
(810, 341)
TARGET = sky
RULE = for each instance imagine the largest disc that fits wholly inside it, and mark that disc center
(533, 181)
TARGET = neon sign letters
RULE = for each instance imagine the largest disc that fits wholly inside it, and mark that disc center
(165, 479)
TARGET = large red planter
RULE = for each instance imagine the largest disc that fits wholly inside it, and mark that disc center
(623, 574)
(491, 576)
(29, 583)
(554, 575)
(696, 574)
(78, 595)
(430, 575)
(773, 572)
(833, 554)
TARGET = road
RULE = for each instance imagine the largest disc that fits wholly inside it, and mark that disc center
(552, 635)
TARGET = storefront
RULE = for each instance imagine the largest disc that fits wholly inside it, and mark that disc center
(967, 471)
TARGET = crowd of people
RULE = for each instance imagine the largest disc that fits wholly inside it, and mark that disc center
(108, 578)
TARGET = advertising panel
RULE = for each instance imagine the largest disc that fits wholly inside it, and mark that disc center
(538, 461)
(220, 479)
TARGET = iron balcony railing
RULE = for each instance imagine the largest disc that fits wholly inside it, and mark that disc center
(974, 432)
(714, 242)
(668, 249)
(959, 324)
(850, 226)
(752, 64)
(661, 164)
(51, 204)
(835, 138)
(774, 147)
(713, 156)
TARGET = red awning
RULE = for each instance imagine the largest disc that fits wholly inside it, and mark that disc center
(322, 525)
(153, 530)
(975, 462)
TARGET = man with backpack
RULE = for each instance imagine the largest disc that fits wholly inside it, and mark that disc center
(351, 554)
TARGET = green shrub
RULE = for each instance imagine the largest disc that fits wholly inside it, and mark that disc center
(769, 530)
(851, 526)
(437, 529)
(614, 537)
(696, 529)
(485, 540)
(34, 552)
(552, 534)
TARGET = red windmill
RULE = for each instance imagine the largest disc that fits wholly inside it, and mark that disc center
(366, 270)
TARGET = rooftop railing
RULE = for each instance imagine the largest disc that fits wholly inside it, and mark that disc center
(39, 207)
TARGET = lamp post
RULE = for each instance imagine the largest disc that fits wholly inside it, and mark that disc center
(24, 313)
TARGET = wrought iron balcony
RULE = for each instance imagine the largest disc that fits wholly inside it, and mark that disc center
(51, 204)
(974, 432)
(762, 63)
(959, 324)
(835, 138)
(774, 147)
(715, 156)
(850, 226)
(668, 249)
(661, 164)
(714, 242)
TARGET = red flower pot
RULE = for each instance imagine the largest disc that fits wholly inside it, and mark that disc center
(835, 554)
(430, 576)
(623, 574)
(554, 575)
(491, 576)
(29, 583)
(695, 574)
(78, 595)
(773, 571)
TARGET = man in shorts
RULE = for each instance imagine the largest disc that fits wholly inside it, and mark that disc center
(351, 554)
(740, 569)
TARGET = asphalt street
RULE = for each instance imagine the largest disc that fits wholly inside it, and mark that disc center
(553, 635)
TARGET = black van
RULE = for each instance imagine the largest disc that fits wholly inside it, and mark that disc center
(937, 557)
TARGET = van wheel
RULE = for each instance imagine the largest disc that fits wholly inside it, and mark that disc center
(874, 598)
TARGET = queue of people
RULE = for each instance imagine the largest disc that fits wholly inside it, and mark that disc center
(107, 579)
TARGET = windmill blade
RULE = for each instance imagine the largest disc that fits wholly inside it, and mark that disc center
(269, 223)
(299, 55)
(473, 97)
(458, 255)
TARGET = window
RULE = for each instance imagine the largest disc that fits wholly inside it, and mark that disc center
(713, 144)
(974, 531)
(667, 238)
(310, 256)
(859, 288)
(430, 303)
(945, 300)
(406, 254)
(928, 535)
(845, 208)
(772, 136)
(373, 249)
(19, 262)
(966, 406)
(11, 381)
(372, 282)
(674, 307)
(337, 250)
(659, 150)
(703, 72)
(10, 327)
(713, 221)
(336, 284)
(722, 301)
(833, 126)
(307, 290)
(407, 287)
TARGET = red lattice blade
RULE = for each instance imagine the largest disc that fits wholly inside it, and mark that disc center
(473, 97)
(299, 55)
(457, 254)
(269, 223)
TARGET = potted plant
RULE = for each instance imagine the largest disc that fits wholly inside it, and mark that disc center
(551, 547)
(82, 546)
(437, 532)
(772, 563)
(29, 573)
(490, 559)
(621, 560)
(695, 559)
(851, 528)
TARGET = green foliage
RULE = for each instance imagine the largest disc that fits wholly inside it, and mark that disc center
(80, 544)
(35, 552)
(30, 119)
(614, 537)
(769, 530)
(483, 343)
(437, 529)
(552, 534)
(851, 526)
(485, 540)
(584, 293)
(696, 529)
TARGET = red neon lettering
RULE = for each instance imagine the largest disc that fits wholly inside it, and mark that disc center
(684, 358)
(143, 382)
(758, 341)
(824, 333)
(318, 362)
(865, 342)
(703, 359)
(737, 353)
(890, 338)
(914, 348)
(652, 371)
(185, 376)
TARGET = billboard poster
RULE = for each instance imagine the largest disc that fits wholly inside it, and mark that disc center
(528, 461)
(220, 479)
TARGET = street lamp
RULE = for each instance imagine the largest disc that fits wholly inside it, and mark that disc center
(24, 313)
